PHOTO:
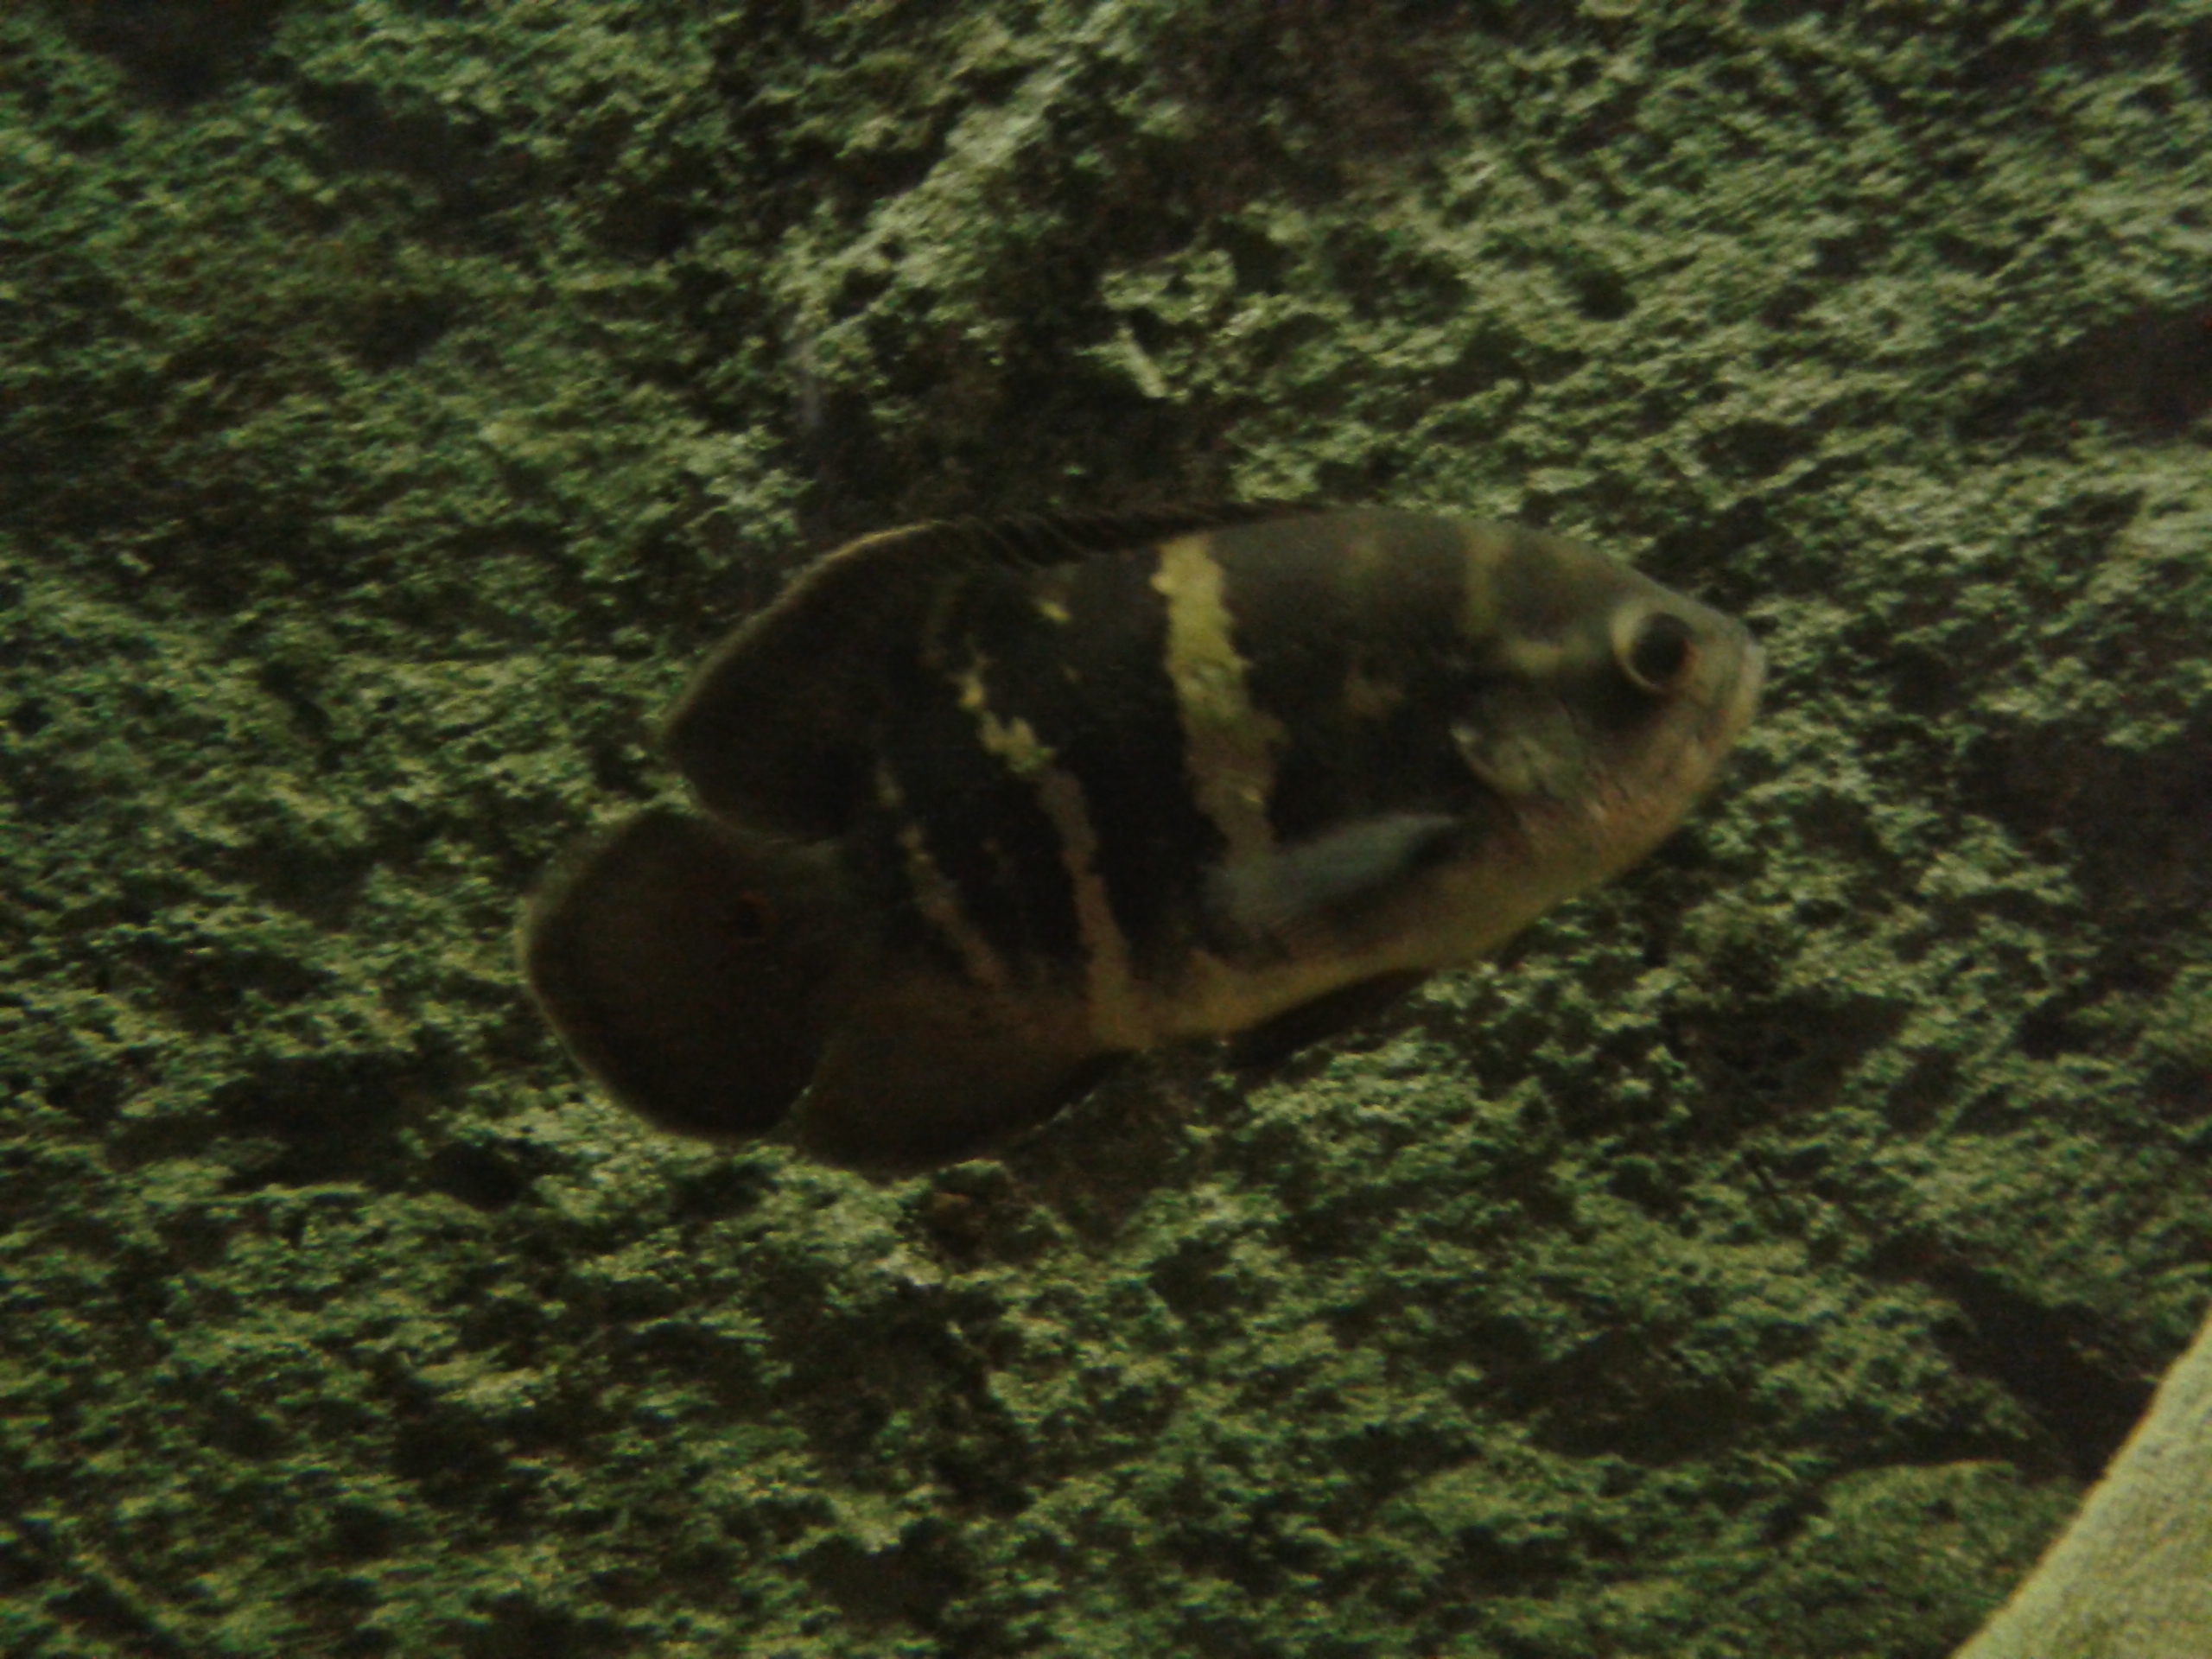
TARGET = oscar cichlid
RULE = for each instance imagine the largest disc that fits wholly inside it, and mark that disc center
(982, 805)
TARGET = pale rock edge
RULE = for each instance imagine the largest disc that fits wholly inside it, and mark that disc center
(2132, 1577)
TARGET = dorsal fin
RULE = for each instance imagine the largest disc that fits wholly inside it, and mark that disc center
(773, 731)
(1062, 537)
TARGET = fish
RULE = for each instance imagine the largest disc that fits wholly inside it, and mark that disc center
(976, 808)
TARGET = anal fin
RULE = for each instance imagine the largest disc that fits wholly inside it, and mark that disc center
(927, 1072)
(1273, 1041)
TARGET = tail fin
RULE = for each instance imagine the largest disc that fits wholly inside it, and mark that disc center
(691, 969)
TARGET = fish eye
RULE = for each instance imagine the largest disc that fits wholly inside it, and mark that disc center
(751, 918)
(1657, 653)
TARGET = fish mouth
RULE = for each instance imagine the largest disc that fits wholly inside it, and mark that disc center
(1712, 732)
(1641, 806)
(1738, 698)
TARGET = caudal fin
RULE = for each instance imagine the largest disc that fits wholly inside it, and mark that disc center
(690, 969)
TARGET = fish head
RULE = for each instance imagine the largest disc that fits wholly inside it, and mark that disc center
(1600, 704)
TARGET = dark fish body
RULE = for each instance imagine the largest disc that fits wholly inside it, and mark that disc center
(984, 806)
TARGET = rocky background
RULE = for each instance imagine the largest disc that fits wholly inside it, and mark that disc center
(397, 397)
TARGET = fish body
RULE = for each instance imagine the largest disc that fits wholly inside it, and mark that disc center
(981, 806)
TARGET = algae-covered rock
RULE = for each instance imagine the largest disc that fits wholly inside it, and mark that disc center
(396, 400)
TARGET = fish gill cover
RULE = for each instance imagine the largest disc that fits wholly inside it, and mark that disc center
(396, 401)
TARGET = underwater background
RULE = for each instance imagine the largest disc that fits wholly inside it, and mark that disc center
(396, 402)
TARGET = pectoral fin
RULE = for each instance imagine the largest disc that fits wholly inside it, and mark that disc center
(1327, 890)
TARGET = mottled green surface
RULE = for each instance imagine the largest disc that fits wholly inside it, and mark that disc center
(396, 399)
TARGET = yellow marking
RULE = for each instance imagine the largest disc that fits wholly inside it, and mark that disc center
(1116, 1020)
(1483, 616)
(1541, 661)
(1050, 590)
(1230, 746)
(1015, 741)
(935, 895)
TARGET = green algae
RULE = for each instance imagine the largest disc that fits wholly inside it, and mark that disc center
(394, 400)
